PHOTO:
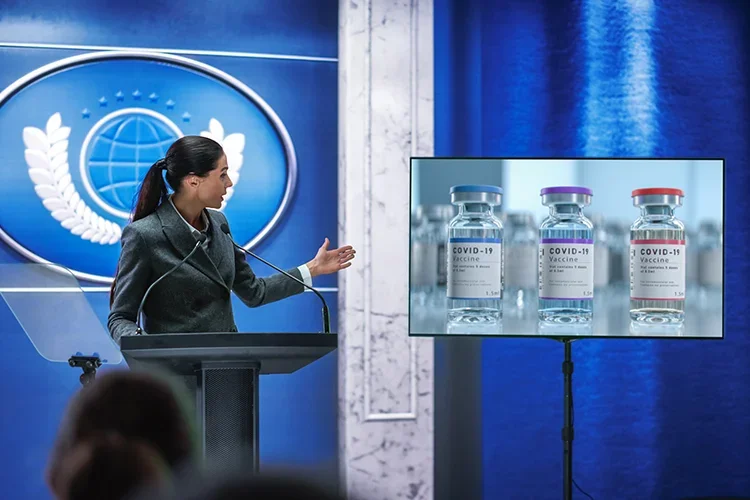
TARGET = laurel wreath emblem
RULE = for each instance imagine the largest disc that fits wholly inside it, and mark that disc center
(46, 155)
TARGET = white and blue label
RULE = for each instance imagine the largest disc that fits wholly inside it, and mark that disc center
(566, 269)
(475, 268)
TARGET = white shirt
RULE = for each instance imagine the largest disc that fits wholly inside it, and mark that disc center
(303, 269)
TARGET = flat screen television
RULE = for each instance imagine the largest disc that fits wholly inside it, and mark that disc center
(567, 247)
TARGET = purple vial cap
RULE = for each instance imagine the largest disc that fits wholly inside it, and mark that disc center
(566, 189)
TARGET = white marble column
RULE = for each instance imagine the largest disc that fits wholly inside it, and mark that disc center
(385, 377)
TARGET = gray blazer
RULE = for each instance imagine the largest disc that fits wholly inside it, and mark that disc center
(195, 297)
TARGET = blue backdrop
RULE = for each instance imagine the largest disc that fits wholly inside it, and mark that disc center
(286, 53)
(653, 419)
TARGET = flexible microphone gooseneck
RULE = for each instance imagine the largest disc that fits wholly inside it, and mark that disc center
(326, 319)
(201, 238)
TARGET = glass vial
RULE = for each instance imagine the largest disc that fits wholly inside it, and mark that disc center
(657, 258)
(475, 257)
(520, 256)
(601, 253)
(710, 255)
(618, 239)
(566, 257)
(439, 216)
(424, 255)
(692, 261)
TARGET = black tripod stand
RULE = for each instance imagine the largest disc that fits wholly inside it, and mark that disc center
(89, 364)
(567, 430)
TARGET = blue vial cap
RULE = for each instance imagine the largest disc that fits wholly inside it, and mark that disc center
(476, 188)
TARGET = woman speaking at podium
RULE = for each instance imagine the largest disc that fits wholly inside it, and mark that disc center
(165, 229)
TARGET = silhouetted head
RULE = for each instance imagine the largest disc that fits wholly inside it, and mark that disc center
(240, 486)
(109, 466)
(126, 428)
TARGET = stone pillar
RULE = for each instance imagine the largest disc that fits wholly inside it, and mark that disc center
(385, 377)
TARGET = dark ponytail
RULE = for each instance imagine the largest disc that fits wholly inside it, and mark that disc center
(189, 155)
(109, 466)
(153, 191)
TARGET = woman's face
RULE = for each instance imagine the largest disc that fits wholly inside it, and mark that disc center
(213, 187)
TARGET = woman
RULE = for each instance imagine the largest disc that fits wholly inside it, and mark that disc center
(125, 432)
(195, 297)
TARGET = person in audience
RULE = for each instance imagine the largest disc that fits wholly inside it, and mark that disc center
(124, 432)
(240, 485)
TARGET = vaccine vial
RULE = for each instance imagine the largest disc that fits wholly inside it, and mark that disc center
(521, 239)
(475, 256)
(692, 261)
(625, 261)
(710, 255)
(566, 257)
(438, 217)
(657, 258)
(424, 258)
(618, 241)
(709, 248)
(601, 253)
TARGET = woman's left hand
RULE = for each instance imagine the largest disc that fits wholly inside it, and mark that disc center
(331, 261)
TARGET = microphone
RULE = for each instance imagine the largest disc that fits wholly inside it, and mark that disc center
(326, 319)
(201, 237)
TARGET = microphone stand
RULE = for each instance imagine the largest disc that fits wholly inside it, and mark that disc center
(139, 330)
(326, 315)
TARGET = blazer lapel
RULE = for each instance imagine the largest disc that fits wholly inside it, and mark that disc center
(221, 248)
(179, 235)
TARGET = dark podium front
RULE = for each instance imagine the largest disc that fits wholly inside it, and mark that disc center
(223, 371)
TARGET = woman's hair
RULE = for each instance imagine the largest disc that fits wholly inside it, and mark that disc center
(109, 466)
(121, 415)
(191, 154)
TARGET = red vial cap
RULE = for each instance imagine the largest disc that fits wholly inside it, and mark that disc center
(647, 191)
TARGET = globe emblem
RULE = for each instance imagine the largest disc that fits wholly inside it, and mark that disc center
(118, 152)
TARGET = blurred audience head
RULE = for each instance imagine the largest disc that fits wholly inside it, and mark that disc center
(125, 431)
(244, 485)
(109, 466)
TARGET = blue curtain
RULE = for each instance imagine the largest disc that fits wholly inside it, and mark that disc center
(653, 419)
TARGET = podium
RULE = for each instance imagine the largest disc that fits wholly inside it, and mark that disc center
(222, 370)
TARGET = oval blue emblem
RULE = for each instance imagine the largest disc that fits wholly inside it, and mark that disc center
(78, 135)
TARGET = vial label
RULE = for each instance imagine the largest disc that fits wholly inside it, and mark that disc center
(522, 266)
(475, 268)
(657, 269)
(566, 269)
(711, 268)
